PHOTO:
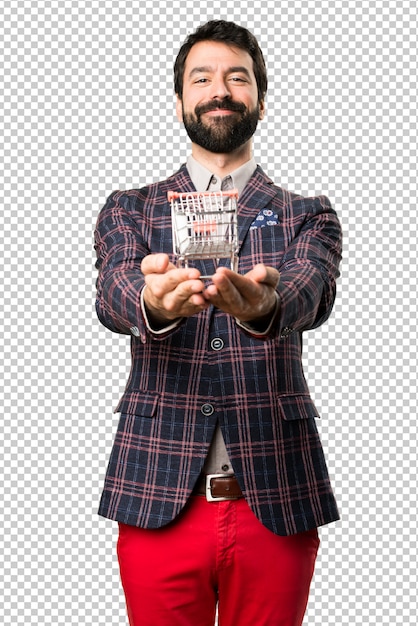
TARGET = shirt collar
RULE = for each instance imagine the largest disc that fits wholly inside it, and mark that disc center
(204, 180)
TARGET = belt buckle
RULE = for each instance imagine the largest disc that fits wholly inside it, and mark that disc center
(209, 496)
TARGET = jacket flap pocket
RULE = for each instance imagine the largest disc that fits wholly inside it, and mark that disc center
(138, 403)
(296, 406)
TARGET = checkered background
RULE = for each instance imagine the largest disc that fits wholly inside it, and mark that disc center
(88, 107)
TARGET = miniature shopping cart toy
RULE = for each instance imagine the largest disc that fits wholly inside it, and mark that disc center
(205, 226)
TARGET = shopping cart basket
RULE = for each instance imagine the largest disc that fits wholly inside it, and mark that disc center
(204, 226)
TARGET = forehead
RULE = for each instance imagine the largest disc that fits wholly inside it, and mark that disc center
(215, 55)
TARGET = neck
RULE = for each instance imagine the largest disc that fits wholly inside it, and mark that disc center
(222, 164)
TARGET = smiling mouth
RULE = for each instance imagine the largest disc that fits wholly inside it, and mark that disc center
(215, 112)
(220, 108)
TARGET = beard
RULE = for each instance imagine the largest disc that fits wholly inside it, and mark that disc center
(222, 134)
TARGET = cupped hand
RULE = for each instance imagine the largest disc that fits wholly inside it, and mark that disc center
(171, 292)
(249, 297)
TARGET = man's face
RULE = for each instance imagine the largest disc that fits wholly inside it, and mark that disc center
(219, 105)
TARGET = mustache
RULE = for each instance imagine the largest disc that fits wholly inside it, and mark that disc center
(228, 105)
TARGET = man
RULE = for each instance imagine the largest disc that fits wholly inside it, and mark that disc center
(217, 475)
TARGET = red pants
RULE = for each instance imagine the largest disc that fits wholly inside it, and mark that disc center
(215, 552)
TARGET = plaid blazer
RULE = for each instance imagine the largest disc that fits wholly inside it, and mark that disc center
(183, 382)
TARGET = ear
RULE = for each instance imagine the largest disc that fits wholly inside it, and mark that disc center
(179, 108)
(262, 107)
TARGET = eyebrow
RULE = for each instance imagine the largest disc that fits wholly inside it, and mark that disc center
(208, 69)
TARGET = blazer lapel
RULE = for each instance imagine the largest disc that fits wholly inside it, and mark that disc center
(258, 194)
(181, 181)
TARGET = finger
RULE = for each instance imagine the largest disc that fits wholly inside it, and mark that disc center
(186, 298)
(227, 291)
(259, 274)
(155, 264)
(224, 281)
(264, 274)
(229, 283)
(174, 284)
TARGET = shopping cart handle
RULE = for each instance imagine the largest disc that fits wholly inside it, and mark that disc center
(175, 195)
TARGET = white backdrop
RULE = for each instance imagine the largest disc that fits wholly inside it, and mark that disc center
(88, 108)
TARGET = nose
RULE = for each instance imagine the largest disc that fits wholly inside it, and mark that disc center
(219, 88)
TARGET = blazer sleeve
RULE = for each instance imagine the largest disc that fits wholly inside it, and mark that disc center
(309, 268)
(121, 244)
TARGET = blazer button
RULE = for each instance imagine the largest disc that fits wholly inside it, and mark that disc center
(217, 343)
(207, 409)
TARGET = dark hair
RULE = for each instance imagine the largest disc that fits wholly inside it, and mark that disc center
(230, 34)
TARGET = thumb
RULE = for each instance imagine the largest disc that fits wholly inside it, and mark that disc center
(156, 264)
(265, 274)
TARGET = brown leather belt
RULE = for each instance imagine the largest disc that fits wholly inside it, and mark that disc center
(218, 487)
